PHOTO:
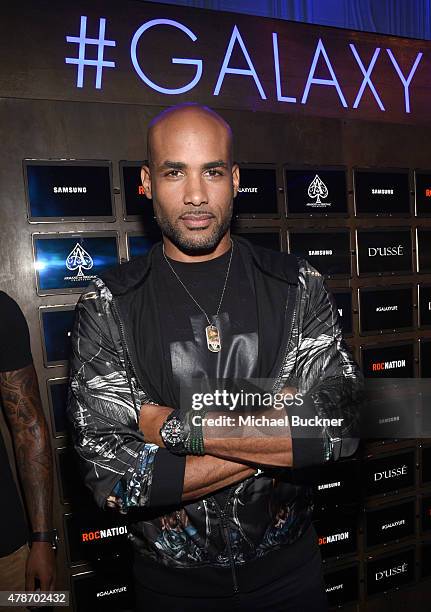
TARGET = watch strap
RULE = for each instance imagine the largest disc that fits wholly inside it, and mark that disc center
(45, 536)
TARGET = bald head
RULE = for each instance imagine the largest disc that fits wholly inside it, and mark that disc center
(183, 119)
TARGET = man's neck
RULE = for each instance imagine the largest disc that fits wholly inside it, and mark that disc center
(173, 252)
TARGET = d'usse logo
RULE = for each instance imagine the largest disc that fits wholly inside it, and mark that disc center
(385, 474)
(390, 572)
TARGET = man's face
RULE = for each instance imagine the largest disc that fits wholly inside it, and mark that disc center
(191, 180)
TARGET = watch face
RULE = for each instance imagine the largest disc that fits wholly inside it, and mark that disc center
(173, 431)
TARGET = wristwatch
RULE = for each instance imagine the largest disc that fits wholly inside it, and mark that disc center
(45, 536)
(174, 434)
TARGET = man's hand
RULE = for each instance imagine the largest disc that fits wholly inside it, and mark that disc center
(40, 565)
(151, 418)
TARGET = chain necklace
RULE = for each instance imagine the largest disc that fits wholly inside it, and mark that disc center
(212, 332)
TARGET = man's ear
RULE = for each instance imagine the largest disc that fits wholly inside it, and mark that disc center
(146, 181)
(235, 179)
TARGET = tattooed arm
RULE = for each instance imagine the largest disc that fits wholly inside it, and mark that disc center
(21, 400)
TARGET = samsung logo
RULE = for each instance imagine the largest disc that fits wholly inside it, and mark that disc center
(386, 308)
(389, 420)
(69, 189)
(394, 524)
(328, 485)
(321, 252)
(382, 191)
(386, 251)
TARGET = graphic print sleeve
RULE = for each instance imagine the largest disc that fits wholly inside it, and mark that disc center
(327, 376)
(103, 408)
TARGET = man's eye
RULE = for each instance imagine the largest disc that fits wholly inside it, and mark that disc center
(173, 173)
(213, 172)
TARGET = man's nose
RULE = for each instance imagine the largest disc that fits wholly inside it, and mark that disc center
(195, 192)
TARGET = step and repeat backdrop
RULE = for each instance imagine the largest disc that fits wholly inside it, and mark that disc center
(333, 141)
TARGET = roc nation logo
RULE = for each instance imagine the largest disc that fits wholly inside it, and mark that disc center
(62, 189)
(141, 190)
(427, 192)
(317, 190)
(336, 537)
(381, 366)
(100, 534)
(79, 260)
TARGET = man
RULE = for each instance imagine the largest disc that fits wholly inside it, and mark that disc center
(223, 526)
(21, 567)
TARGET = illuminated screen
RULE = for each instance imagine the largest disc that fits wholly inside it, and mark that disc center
(57, 327)
(343, 300)
(424, 306)
(342, 586)
(426, 559)
(425, 358)
(337, 484)
(311, 192)
(392, 523)
(68, 192)
(96, 535)
(139, 245)
(426, 464)
(382, 192)
(328, 252)
(110, 588)
(257, 194)
(58, 401)
(388, 309)
(386, 474)
(336, 536)
(426, 513)
(424, 250)
(390, 572)
(71, 262)
(423, 193)
(73, 490)
(268, 240)
(136, 203)
(388, 361)
(384, 252)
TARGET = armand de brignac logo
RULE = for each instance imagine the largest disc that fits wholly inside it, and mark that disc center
(79, 259)
(317, 189)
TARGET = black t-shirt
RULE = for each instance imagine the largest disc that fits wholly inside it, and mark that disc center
(177, 351)
(15, 353)
(186, 355)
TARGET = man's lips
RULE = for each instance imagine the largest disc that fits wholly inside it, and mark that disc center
(200, 220)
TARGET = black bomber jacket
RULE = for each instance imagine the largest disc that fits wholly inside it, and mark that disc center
(263, 513)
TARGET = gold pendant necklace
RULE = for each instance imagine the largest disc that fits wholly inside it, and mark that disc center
(212, 332)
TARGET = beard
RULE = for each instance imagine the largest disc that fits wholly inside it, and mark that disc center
(199, 243)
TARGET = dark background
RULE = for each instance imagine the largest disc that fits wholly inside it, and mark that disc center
(44, 116)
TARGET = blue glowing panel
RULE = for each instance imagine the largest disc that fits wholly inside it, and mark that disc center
(139, 245)
(65, 191)
(70, 262)
(57, 324)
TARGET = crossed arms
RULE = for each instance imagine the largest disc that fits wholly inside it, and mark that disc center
(125, 467)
